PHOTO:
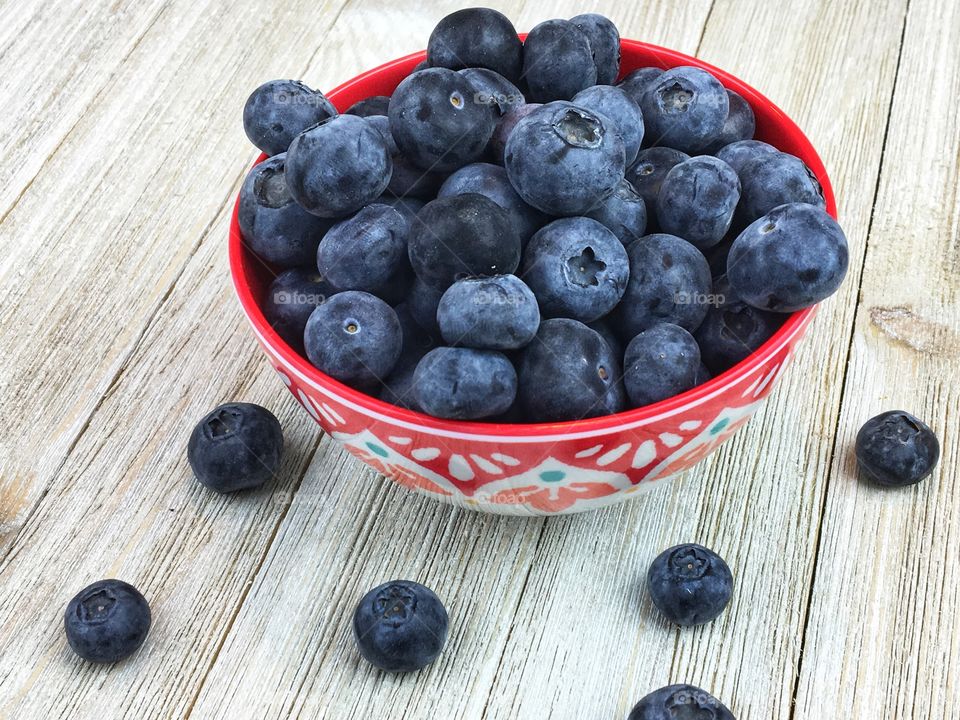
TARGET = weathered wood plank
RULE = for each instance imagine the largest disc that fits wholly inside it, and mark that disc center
(885, 617)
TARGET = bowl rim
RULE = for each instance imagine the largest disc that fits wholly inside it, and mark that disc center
(240, 258)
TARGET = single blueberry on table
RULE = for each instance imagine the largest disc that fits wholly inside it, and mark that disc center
(738, 154)
(623, 212)
(896, 449)
(569, 372)
(557, 61)
(669, 282)
(732, 330)
(690, 584)
(423, 301)
(460, 383)
(684, 108)
(273, 225)
(635, 84)
(697, 200)
(400, 626)
(680, 702)
(489, 313)
(577, 268)
(660, 362)
(791, 258)
(647, 174)
(375, 105)
(564, 160)
(492, 88)
(604, 41)
(436, 123)
(279, 110)
(476, 37)
(291, 298)
(491, 181)
(366, 251)
(235, 447)
(462, 236)
(505, 126)
(337, 166)
(354, 337)
(739, 125)
(623, 111)
(770, 180)
(107, 621)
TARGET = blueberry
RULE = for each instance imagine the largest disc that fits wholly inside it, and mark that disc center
(338, 166)
(495, 313)
(703, 375)
(647, 174)
(398, 386)
(398, 286)
(732, 330)
(690, 584)
(577, 268)
(279, 110)
(406, 206)
(406, 180)
(623, 111)
(604, 41)
(505, 126)
(423, 302)
(291, 298)
(564, 160)
(739, 125)
(275, 227)
(376, 105)
(465, 384)
(606, 331)
(557, 61)
(492, 88)
(660, 362)
(624, 213)
(476, 37)
(896, 449)
(491, 181)
(717, 256)
(697, 200)
(235, 447)
(569, 373)
(400, 626)
(107, 621)
(354, 337)
(793, 257)
(365, 251)
(685, 108)
(773, 179)
(669, 279)
(680, 702)
(436, 123)
(738, 154)
(636, 83)
(462, 236)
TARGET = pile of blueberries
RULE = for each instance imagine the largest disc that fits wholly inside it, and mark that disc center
(511, 219)
(454, 248)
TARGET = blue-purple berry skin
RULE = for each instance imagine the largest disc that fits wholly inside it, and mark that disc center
(896, 449)
(279, 110)
(738, 154)
(623, 212)
(669, 279)
(557, 61)
(769, 180)
(476, 37)
(398, 388)
(272, 223)
(365, 251)
(406, 180)
(505, 126)
(492, 88)
(337, 166)
(680, 702)
(459, 383)
(291, 298)
(685, 108)
(741, 124)
(489, 313)
(423, 301)
(647, 173)
(613, 103)
(354, 337)
(107, 621)
(635, 83)
(604, 41)
(690, 584)
(791, 258)
(697, 200)
(660, 362)
(371, 106)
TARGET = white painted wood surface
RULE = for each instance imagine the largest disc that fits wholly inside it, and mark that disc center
(122, 150)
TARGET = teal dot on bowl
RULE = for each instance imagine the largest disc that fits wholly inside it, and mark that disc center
(719, 426)
(552, 475)
(377, 449)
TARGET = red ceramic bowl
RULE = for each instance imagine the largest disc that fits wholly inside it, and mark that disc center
(544, 468)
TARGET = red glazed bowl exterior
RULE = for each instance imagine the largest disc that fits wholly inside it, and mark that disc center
(539, 469)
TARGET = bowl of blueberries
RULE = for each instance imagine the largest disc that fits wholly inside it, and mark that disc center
(531, 274)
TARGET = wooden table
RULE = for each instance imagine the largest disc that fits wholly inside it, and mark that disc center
(122, 152)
